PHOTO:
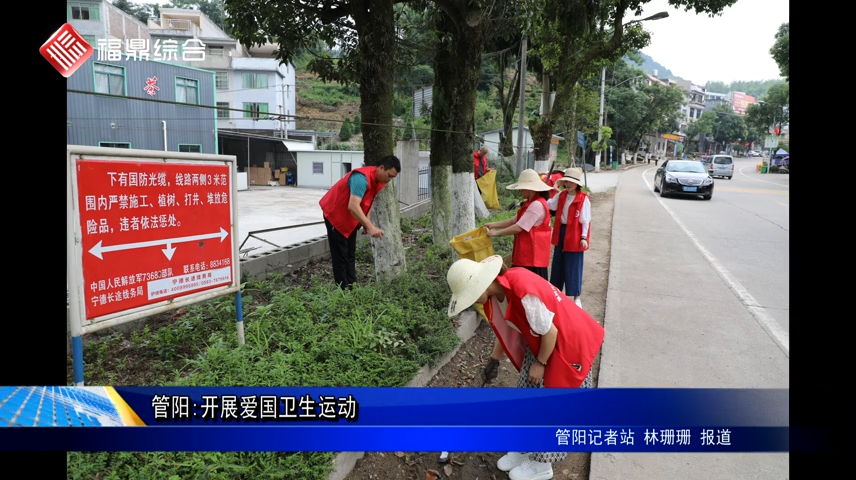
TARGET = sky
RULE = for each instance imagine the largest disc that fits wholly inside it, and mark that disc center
(730, 47)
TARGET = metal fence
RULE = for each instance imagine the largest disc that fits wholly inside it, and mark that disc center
(424, 183)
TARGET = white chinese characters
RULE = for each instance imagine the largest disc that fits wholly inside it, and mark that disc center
(191, 50)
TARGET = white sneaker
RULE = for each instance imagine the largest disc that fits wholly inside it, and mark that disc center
(531, 470)
(577, 301)
(510, 460)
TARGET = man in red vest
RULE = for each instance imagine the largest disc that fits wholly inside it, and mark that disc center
(346, 207)
(480, 162)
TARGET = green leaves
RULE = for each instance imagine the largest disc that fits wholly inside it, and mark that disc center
(781, 50)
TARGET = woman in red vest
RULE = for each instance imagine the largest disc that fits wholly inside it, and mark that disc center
(561, 340)
(531, 230)
(531, 225)
(571, 234)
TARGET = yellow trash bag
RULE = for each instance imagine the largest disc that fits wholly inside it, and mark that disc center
(487, 185)
(474, 245)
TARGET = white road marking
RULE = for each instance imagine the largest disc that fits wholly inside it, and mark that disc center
(768, 323)
(759, 180)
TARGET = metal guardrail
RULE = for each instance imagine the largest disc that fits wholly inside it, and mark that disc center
(252, 234)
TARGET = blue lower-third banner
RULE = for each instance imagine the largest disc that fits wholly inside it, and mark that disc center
(393, 419)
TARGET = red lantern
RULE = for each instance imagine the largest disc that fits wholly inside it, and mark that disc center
(776, 130)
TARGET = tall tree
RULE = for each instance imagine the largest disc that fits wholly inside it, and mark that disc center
(364, 33)
(579, 37)
(781, 50)
(772, 111)
(462, 29)
(729, 126)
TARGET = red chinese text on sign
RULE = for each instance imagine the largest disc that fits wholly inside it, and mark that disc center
(152, 231)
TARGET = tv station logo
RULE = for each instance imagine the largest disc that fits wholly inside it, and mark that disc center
(66, 50)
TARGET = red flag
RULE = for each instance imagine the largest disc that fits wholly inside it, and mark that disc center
(776, 130)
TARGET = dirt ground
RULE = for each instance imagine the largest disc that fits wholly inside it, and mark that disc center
(463, 371)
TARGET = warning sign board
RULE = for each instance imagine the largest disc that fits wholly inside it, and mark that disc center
(150, 234)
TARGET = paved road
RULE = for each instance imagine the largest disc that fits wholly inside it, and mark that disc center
(695, 300)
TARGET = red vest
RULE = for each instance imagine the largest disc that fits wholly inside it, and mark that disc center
(334, 203)
(574, 229)
(532, 248)
(579, 338)
(479, 163)
(551, 181)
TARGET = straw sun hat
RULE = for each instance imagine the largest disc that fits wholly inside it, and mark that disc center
(469, 280)
(572, 175)
(530, 180)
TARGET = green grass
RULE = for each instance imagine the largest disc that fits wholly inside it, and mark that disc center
(300, 331)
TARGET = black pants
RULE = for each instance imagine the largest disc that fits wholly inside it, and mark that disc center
(542, 271)
(343, 253)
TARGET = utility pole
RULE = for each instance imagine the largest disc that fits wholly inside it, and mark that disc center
(520, 137)
(600, 123)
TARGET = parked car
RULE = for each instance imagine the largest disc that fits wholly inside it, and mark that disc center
(721, 166)
(753, 153)
(683, 177)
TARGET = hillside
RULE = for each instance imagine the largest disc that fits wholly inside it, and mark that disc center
(649, 65)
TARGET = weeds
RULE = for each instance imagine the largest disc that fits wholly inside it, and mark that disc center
(378, 334)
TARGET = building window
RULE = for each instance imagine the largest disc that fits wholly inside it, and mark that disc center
(222, 109)
(317, 167)
(186, 90)
(255, 80)
(215, 51)
(256, 110)
(83, 11)
(222, 80)
(191, 148)
(115, 144)
(109, 79)
(90, 39)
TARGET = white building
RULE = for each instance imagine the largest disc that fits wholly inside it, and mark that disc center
(491, 141)
(323, 168)
(99, 21)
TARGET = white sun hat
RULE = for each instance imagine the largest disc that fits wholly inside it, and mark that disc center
(572, 175)
(469, 280)
(530, 180)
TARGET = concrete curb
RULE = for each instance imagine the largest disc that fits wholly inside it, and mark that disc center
(345, 462)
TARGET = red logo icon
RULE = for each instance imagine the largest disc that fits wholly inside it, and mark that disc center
(66, 50)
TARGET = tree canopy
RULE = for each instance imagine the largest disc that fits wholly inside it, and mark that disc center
(781, 50)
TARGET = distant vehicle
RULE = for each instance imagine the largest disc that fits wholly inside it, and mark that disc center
(721, 166)
(753, 153)
(683, 177)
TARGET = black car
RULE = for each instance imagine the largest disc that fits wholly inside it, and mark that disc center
(683, 177)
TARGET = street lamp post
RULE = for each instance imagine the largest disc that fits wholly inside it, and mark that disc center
(656, 16)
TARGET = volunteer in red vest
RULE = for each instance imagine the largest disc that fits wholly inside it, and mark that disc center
(531, 226)
(480, 162)
(346, 207)
(551, 179)
(531, 230)
(571, 234)
(561, 340)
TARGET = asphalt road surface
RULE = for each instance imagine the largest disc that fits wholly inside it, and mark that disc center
(697, 298)
(745, 228)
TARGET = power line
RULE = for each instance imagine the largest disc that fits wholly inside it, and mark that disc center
(268, 115)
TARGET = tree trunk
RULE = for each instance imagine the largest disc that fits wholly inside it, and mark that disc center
(376, 65)
(456, 67)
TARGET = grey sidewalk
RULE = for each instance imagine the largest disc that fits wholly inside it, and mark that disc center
(661, 333)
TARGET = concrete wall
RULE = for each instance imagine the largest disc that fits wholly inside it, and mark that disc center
(407, 183)
(257, 267)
